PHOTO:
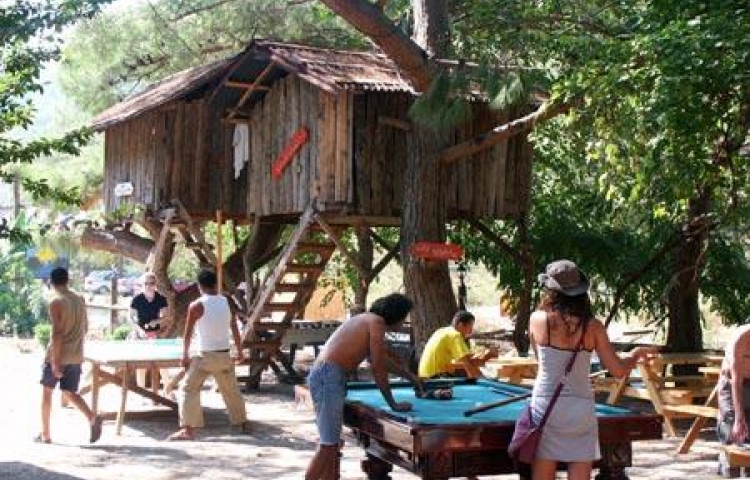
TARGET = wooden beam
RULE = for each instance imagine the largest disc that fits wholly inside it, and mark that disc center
(502, 133)
(246, 85)
(245, 96)
(496, 239)
(392, 253)
(395, 123)
(340, 245)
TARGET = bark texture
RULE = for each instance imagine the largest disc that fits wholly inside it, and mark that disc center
(684, 333)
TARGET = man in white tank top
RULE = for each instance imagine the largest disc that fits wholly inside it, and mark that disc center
(210, 317)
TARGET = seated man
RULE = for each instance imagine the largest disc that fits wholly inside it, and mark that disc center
(448, 350)
(734, 391)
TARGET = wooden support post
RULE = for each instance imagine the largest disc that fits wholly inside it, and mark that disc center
(340, 245)
(219, 249)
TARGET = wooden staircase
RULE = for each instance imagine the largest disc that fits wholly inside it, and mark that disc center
(285, 294)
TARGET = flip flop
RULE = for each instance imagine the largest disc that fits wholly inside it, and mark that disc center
(39, 439)
(179, 436)
(96, 429)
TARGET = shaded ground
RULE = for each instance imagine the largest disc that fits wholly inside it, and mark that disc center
(279, 448)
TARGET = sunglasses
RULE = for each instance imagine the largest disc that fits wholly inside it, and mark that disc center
(149, 283)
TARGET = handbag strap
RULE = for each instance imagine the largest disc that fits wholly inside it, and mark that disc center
(568, 368)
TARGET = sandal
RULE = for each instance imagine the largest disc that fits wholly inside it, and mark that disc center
(39, 439)
(180, 436)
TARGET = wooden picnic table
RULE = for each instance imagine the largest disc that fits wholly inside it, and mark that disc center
(115, 361)
(512, 369)
(671, 395)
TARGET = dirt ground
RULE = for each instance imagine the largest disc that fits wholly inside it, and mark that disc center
(279, 448)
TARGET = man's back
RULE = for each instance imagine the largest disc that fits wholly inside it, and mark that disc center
(73, 325)
(350, 343)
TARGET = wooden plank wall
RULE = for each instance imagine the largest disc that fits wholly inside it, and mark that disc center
(321, 169)
(352, 163)
(492, 184)
(182, 150)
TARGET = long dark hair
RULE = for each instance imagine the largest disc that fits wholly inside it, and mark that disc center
(556, 304)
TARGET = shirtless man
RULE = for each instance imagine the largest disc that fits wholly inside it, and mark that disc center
(734, 389)
(359, 337)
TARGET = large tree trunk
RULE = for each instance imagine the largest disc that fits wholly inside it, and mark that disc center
(523, 313)
(684, 332)
(424, 214)
(365, 250)
(428, 283)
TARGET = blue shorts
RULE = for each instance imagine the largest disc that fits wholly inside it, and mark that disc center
(327, 382)
(71, 376)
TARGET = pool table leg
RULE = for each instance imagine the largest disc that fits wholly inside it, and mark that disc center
(376, 469)
(606, 473)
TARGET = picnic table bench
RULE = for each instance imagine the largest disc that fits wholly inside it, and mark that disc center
(673, 396)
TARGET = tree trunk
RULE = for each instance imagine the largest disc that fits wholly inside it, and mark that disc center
(431, 28)
(424, 215)
(684, 332)
(428, 283)
(523, 312)
(365, 259)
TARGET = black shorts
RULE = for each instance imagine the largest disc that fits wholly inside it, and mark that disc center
(71, 376)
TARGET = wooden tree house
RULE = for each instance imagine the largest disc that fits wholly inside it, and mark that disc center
(285, 134)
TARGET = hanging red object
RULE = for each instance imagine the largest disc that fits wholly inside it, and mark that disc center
(299, 138)
(437, 251)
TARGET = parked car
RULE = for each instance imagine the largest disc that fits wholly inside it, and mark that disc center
(98, 281)
(129, 285)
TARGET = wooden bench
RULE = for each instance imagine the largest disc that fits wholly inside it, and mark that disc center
(701, 413)
(737, 456)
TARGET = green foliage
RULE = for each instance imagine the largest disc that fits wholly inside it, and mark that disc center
(121, 51)
(30, 33)
(662, 97)
(43, 333)
(21, 298)
(121, 332)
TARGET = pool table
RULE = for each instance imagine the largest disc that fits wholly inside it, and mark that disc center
(436, 441)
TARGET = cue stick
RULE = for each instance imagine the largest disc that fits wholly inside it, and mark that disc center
(499, 403)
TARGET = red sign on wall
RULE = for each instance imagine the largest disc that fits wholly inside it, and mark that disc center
(437, 251)
(299, 138)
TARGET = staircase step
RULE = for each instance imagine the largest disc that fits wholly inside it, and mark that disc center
(292, 287)
(315, 247)
(302, 268)
(271, 307)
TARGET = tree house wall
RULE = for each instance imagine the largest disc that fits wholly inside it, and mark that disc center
(353, 162)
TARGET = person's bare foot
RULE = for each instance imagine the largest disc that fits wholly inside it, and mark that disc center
(181, 435)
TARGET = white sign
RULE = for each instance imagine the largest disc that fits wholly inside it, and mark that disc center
(124, 189)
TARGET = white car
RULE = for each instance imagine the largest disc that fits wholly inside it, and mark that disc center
(99, 281)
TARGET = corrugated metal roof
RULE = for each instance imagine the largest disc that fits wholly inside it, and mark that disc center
(155, 95)
(329, 69)
(343, 69)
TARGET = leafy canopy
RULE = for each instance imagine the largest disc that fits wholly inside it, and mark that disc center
(30, 36)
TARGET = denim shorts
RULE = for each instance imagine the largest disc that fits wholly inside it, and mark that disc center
(327, 382)
(71, 376)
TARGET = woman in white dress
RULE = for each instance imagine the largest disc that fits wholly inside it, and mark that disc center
(563, 323)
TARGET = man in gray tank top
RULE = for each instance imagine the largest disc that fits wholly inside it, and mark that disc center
(62, 362)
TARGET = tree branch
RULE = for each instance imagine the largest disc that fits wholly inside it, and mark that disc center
(502, 132)
(372, 22)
